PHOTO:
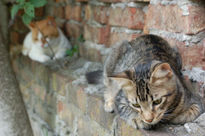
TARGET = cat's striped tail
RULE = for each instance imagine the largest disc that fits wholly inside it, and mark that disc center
(95, 77)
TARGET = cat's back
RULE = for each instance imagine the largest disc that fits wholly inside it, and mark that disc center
(142, 50)
(152, 47)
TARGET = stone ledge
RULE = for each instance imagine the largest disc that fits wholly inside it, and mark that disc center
(63, 100)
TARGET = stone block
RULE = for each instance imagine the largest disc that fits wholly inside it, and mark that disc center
(129, 17)
(73, 12)
(96, 34)
(172, 18)
(74, 30)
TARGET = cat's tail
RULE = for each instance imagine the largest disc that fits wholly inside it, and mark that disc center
(95, 77)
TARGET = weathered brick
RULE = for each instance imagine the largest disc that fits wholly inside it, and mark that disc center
(19, 26)
(14, 37)
(26, 93)
(67, 114)
(39, 91)
(81, 99)
(89, 53)
(59, 11)
(96, 112)
(193, 56)
(45, 114)
(101, 14)
(128, 17)
(98, 35)
(119, 36)
(87, 127)
(39, 12)
(126, 130)
(51, 99)
(88, 12)
(73, 12)
(171, 18)
(97, 13)
(58, 83)
(60, 106)
(71, 93)
(73, 29)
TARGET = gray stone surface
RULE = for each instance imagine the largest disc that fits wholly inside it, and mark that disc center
(13, 117)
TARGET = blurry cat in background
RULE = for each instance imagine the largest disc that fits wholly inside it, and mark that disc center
(144, 85)
(45, 33)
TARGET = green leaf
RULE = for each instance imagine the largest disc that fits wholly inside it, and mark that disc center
(81, 39)
(69, 52)
(75, 48)
(20, 1)
(26, 19)
(29, 9)
(38, 3)
(14, 10)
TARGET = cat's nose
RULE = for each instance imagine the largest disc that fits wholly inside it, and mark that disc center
(149, 120)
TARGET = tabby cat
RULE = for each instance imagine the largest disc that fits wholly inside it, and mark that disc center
(144, 84)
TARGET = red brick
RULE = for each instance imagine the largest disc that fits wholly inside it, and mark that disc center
(129, 17)
(59, 12)
(91, 54)
(193, 56)
(39, 12)
(88, 12)
(119, 36)
(60, 106)
(73, 12)
(170, 18)
(73, 30)
(16, 38)
(39, 91)
(98, 35)
(100, 14)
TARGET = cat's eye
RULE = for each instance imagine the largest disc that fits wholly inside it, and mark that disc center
(158, 101)
(136, 105)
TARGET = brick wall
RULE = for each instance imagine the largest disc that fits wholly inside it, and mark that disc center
(61, 106)
(60, 103)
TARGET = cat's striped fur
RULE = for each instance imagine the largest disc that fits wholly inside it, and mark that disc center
(144, 84)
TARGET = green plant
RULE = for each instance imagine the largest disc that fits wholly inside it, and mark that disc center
(75, 48)
(28, 6)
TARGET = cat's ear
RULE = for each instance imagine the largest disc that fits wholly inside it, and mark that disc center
(123, 81)
(161, 73)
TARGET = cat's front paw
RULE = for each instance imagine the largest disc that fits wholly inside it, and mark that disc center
(109, 106)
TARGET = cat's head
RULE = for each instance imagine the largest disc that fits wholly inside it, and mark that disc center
(44, 30)
(152, 96)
